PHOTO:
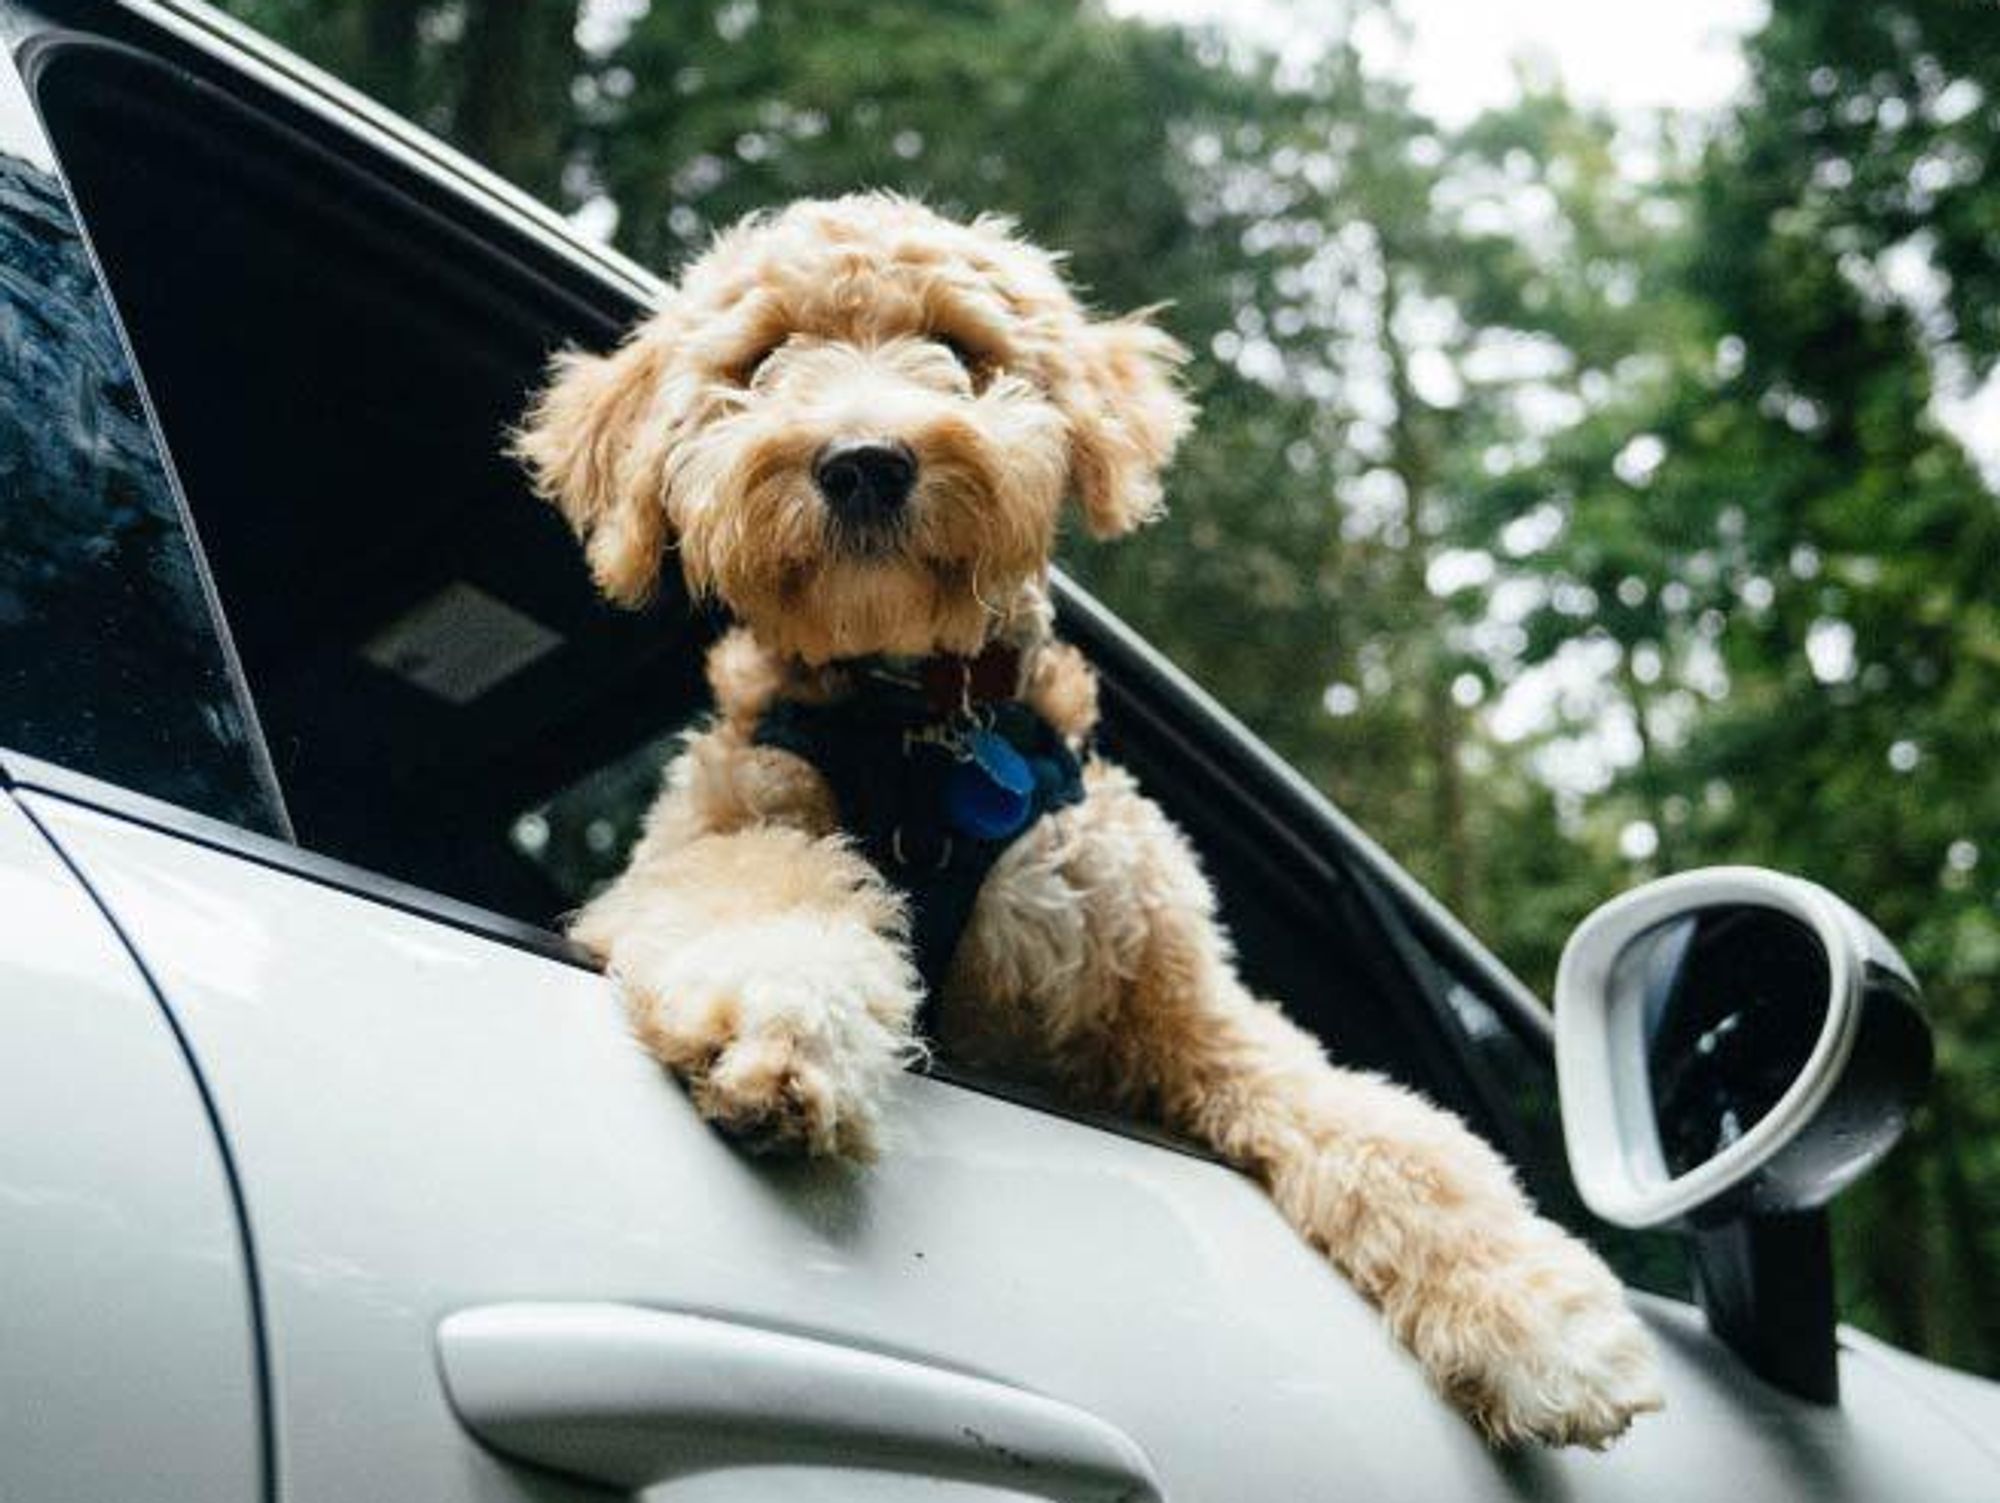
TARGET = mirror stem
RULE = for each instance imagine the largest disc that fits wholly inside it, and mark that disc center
(1766, 1283)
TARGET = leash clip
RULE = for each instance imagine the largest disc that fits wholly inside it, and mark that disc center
(896, 850)
(957, 737)
(948, 736)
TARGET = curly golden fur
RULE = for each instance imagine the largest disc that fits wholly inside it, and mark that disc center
(766, 963)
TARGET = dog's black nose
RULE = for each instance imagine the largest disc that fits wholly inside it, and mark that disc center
(865, 481)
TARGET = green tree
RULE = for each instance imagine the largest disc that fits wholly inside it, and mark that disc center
(1788, 563)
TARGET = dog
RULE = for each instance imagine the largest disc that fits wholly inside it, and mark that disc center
(858, 423)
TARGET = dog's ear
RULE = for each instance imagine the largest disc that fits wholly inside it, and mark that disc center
(594, 441)
(1127, 413)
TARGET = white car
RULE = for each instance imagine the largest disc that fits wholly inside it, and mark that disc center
(328, 1170)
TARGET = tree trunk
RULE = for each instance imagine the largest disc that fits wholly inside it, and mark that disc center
(1897, 1274)
(519, 61)
(1413, 459)
(1975, 1324)
(388, 70)
(1666, 856)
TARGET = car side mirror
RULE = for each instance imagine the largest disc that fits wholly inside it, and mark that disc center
(1734, 1047)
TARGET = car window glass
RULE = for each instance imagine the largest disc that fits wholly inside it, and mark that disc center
(111, 659)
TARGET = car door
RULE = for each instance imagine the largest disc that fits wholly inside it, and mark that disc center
(428, 1122)
(433, 1126)
(447, 1145)
(129, 1364)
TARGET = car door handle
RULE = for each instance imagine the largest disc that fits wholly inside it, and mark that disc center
(633, 1397)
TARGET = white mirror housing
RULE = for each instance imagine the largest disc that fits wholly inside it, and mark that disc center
(1845, 1107)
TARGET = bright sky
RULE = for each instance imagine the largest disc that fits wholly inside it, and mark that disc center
(1461, 56)
(1460, 53)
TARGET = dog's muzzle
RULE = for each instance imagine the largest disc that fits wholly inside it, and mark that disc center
(866, 482)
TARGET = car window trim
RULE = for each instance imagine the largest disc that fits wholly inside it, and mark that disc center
(25, 774)
(31, 774)
(19, 771)
(226, 54)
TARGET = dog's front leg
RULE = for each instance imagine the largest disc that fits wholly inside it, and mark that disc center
(766, 968)
(1097, 954)
(1515, 1321)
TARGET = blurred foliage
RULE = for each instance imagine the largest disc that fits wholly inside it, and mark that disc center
(1571, 500)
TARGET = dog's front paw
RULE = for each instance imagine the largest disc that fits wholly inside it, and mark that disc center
(788, 1032)
(1541, 1346)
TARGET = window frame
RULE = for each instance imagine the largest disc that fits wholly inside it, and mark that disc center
(32, 775)
(607, 291)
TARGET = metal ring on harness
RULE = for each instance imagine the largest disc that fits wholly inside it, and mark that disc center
(896, 850)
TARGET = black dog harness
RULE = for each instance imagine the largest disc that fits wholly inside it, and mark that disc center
(936, 769)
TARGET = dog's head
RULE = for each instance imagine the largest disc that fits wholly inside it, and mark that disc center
(857, 422)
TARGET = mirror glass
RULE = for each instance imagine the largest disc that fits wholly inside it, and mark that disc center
(1730, 1001)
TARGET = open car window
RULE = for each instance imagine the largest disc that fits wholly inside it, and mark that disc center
(337, 347)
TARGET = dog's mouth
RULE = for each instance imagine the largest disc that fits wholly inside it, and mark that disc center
(869, 539)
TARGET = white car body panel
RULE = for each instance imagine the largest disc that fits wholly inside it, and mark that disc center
(127, 1355)
(427, 1121)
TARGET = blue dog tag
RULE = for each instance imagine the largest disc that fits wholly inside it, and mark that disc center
(990, 796)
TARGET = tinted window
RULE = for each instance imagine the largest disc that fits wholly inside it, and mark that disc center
(110, 659)
(335, 359)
